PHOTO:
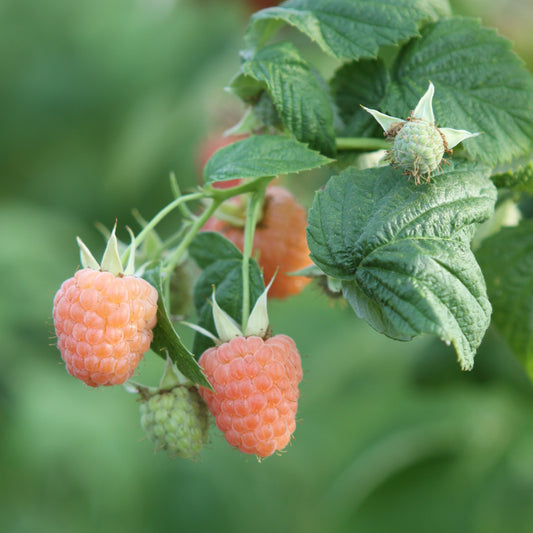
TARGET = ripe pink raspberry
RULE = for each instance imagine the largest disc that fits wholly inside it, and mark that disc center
(256, 391)
(104, 325)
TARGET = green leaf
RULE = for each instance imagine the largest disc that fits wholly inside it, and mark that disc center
(226, 276)
(355, 84)
(298, 96)
(261, 156)
(345, 28)
(507, 262)
(167, 341)
(403, 251)
(519, 178)
(480, 86)
(208, 247)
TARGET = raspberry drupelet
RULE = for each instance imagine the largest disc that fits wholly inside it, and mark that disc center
(256, 391)
(104, 325)
(103, 319)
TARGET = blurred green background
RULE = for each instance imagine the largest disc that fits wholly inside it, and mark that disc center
(99, 101)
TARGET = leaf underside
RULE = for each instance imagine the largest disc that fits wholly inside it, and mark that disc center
(403, 252)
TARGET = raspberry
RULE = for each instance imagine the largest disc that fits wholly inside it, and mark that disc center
(176, 420)
(181, 287)
(104, 325)
(418, 147)
(279, 239)
(256, 391)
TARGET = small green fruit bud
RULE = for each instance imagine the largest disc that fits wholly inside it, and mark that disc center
(419, 145)
(176, 420)
(418, 148)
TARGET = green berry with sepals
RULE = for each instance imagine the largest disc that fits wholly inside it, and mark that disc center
(418, 145)
(173, 416)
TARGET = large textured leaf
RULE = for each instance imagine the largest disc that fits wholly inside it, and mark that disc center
(355, 84)
(404, 251)
(507, 262)
(166, 340)
(226, 276)
(299, 98)
(480, 86)
(260, 156)
(347, 28)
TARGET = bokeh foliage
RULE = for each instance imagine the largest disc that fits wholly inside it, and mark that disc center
(99, 101)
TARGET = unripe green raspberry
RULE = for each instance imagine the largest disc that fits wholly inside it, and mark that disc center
(418, 147)
(176, 420)
(181, 287)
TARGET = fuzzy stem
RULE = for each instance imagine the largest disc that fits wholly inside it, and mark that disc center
(361, 143)
(254, 208)
(197, 225)
(160, 216)
(174, 186)
(250, 186)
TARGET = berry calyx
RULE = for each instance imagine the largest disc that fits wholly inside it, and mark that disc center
(104, 319)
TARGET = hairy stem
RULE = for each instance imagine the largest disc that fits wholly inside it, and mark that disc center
(196, 226)
(366, 144)
(174, 186)
(254, 208)
(158, 217)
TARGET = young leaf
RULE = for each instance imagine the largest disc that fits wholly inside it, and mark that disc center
(480, 86)
(260, 156)
(226, 276)
(403, 251)
(507, 262)
(519, 178)
(166, 341)
(355, 84)
(208, 247)
(344, 28)
(300, 100)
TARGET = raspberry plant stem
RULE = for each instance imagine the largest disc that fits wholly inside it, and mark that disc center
(185, 211)
(196, 226)
(158, 217)
(250, 186)
(361, 143)
(254, 208)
